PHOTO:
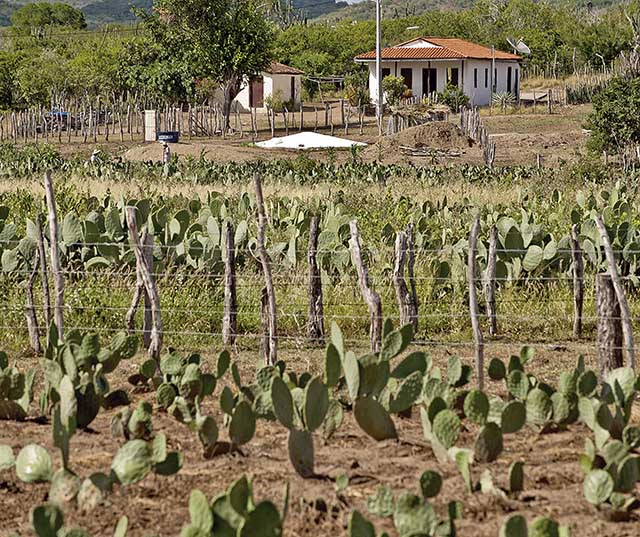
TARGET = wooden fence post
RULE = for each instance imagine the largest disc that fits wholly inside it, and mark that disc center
(230, 315)
(46, 302)
(371, 298)
(473, 302)
(315, 321)
(271, 350)
(578, 282)
(301, 116)
(147, 244)
(30, 310)
(58, 280)
(407, 306)
(625, 315)
(155, 345)
(609, 336)
(490, 281)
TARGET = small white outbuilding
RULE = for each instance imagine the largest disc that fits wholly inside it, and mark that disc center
(280, 82)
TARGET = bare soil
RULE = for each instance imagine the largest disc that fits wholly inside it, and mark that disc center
(158, 505)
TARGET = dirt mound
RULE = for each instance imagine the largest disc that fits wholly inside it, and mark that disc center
(436, 135)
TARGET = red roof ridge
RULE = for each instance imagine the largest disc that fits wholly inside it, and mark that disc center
(456, 47)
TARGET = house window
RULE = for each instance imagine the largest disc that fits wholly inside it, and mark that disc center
(509, 79)
(407, 75)
(452, 76)
(293, 89)
(495, 79)
(386, 71)
(475, 78)
(486, 78)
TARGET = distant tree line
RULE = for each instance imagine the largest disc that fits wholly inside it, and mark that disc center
(182, 51)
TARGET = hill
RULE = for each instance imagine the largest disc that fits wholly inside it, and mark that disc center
(99, 12)
(394, 9)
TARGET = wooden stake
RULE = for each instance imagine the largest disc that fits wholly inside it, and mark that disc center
(147, 244)
(58, 280)
(30, 310)
(315, 321)
(578, 282)
(490, 282)
(155, 345)
(371, 298)
(271, 351)
(229, 317)
(473, 302)
(46, 302)
(406, 305)
(609, 336)
(625, 315)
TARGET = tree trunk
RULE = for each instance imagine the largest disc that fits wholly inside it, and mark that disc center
(230, 89)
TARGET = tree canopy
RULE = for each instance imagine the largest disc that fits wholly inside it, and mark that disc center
(225, 41)
(42, 15)
(615, 120)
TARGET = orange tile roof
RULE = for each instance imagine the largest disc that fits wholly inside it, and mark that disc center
(412, 53)
(447, 48)
(277, 68)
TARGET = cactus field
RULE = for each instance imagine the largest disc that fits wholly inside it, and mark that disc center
(110, 427)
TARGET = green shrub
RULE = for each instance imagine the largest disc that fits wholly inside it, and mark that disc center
(615, 119)
(394, 88)
(453, 97)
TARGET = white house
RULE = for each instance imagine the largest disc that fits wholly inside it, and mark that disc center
(278, 80)
(427, 64)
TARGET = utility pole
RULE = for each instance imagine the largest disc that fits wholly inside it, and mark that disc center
(493, 74)
(379, 103)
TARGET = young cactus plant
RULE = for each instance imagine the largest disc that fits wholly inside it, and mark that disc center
(302, 411)
(375, 389)
(233, 513)
(182, 381)
(516, 526)
(15, 391)
(86, 363)
(47, 520)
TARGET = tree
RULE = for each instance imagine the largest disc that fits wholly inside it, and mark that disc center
(615, 119)
(42, 15)
(226, 41)
(356, 88)
(7, 69)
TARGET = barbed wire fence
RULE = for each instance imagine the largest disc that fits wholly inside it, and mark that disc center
(587, 308)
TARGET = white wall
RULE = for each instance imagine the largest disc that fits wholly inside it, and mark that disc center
(479, 96)
(272, 83)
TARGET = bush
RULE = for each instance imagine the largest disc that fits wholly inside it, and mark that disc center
(453, 97)
(393, 88)
(615, 119)
(356, 88)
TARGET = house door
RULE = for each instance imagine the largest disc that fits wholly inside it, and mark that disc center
(293, 89)
(509, 79)
(429, 81)
(256, 92)
(407, 75)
